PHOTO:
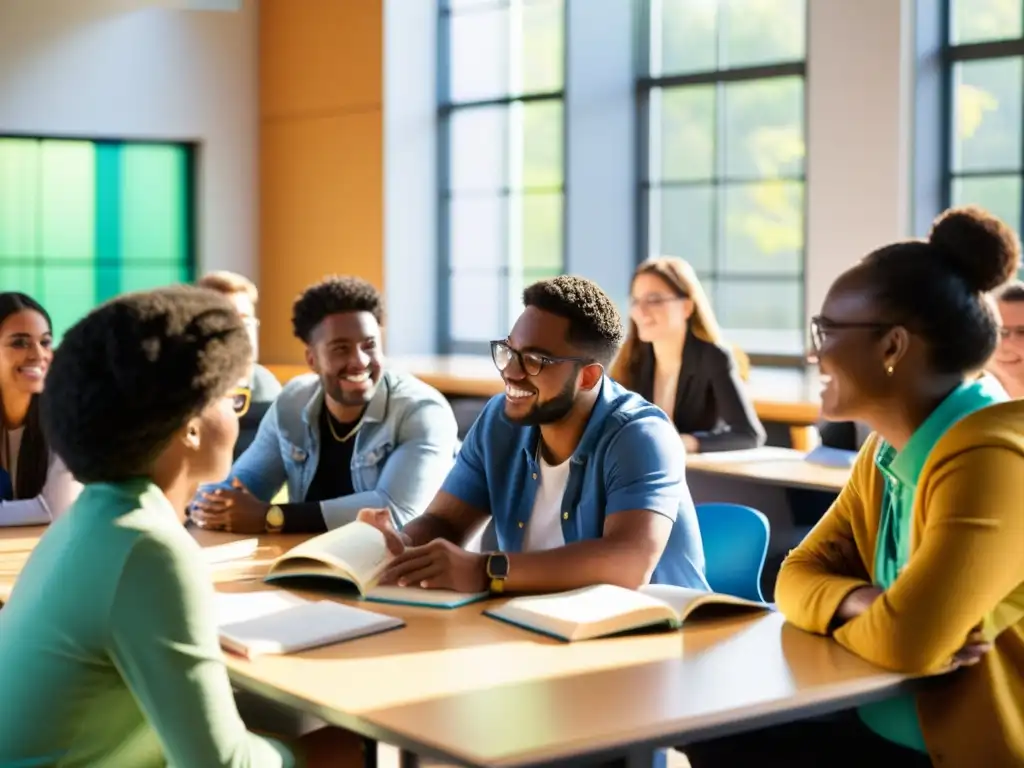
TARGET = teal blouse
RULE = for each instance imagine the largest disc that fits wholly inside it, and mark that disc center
(896, 719)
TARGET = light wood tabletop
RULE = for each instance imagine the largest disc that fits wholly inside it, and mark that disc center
(461, 687)
(789, 396)
(16, 544)
(456, 685)
(770, 466)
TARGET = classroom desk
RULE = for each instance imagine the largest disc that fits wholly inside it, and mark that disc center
(788, 396)
(770, 466)
(16, 544)
(460, 687)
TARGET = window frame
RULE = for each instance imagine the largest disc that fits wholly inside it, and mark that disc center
(951, 55)
(190, 149)
(446, 343)
(646, 84)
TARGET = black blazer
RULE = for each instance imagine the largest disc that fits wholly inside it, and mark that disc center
(711, 401)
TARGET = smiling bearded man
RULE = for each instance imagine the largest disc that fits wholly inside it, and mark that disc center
(384, 439)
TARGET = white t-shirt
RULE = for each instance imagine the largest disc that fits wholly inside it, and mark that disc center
(544, 530)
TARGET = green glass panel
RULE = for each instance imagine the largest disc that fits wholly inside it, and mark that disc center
(68, 184)
(108, 220)
(19, 198)
(153, 215)
(19, 276)
(67, 294)
(141, 278)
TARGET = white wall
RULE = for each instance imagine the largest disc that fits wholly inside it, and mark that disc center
(99, 68)
(860, 61)
(410, 179)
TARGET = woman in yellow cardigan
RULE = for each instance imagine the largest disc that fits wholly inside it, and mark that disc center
(918, 567)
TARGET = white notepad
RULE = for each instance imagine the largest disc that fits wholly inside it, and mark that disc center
(302, 626)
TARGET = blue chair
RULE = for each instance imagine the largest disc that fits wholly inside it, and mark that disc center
(735, 545)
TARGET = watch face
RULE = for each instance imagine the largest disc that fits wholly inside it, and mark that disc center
(498, 566)
(275, 517)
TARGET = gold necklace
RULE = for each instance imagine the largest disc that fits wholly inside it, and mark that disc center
(351, 432)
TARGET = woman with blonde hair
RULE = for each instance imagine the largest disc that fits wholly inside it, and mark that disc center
(674, 356)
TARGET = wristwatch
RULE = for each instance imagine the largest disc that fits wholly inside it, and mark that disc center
(274, 519)
(497, 570)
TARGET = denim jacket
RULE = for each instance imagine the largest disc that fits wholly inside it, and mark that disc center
(402, 454)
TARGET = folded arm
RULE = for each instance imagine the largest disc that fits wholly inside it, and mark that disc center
(644, 472)
(827, 565)
(969, 559)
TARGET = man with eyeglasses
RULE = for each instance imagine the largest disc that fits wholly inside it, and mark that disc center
(584, 480)
(1007, 364)
(263, 385)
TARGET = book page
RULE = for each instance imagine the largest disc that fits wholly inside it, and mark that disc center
(356, 549)
(683, 600)
(589, 605)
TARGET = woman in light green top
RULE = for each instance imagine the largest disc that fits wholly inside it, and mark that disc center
(108, 646)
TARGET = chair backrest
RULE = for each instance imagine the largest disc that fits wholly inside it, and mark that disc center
(735, 545)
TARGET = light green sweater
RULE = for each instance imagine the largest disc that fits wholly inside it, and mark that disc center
(108, 646)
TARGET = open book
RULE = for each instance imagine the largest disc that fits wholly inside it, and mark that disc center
(252, 624)
(603, 610)
(356, 554)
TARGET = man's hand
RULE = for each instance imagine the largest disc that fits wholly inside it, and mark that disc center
(381, 520)
(974, 648)
(438, 565)
(234, 510)
(855, 603)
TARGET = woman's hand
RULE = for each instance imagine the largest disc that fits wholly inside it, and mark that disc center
(854, 604)
(973, 649)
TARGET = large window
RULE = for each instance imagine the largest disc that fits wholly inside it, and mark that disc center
(81, 221)
(723, 175)
(985, 151)
(501, 164)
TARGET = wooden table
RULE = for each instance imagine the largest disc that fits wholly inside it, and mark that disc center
(458, 686)
(770, 466)
(787, 396)
(16, 544)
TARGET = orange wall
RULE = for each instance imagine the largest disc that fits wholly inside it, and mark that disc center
(321, 154)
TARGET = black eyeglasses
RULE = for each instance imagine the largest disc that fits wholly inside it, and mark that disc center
(821, 327)
(531, 363)
(241, 399)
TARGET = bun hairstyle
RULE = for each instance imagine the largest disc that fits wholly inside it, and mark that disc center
(977, 246)
(936, 288)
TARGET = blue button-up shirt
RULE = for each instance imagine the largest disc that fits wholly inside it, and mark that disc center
(629, 457)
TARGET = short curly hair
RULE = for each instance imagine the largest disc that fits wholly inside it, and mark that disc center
(594, 323)
(330, 296)
(132, 372)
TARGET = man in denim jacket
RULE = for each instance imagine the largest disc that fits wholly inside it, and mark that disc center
(384, 440)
